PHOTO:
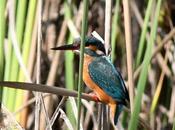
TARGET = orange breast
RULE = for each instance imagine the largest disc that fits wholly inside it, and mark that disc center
(92, 85)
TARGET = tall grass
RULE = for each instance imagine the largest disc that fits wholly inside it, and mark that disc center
(144, 72)
(115, 29)
(83, 33)
(143, 33)
(69, 71)
(28, 35)
(2, 38)
(20, 23)
(8, 68)
(89, 17)
(12, 68)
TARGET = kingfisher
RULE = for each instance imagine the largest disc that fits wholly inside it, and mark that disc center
(100, 75)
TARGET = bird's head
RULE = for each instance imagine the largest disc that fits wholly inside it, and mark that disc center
(92, 45)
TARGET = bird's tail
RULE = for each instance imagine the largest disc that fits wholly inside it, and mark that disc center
(119, 109)
(116, 109)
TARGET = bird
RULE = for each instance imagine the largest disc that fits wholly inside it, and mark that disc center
(100, 75)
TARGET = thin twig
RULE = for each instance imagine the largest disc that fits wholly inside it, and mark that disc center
(99, 116)
(139, 17)
(108, 12)
(49, 89)
(90, 114)
(45, 89)
(66, 119)
(159, 85)
(163, 65)
(127, 21)
(39, 98)
(52, 74)
(54, 116)
(168, 37)
(32, 53)
(137, 13)
(56, 59)
(28, 103)
(73, 29)
(38, 64)
(141, 121)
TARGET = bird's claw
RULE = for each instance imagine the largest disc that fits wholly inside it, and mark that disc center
(95, 97)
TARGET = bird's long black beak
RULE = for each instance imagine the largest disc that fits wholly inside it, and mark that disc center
(66, 47)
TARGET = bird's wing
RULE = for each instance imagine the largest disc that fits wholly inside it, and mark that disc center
(104, 74)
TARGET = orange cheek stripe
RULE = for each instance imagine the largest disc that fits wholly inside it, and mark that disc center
(94, 48)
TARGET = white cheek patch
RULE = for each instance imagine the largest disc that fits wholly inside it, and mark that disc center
(99, 52)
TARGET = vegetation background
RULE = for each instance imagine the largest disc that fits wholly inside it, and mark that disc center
(143, 50)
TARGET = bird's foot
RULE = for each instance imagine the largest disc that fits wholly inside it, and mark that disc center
(94, 96)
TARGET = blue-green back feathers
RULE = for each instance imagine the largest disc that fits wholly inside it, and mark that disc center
(104, 74)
